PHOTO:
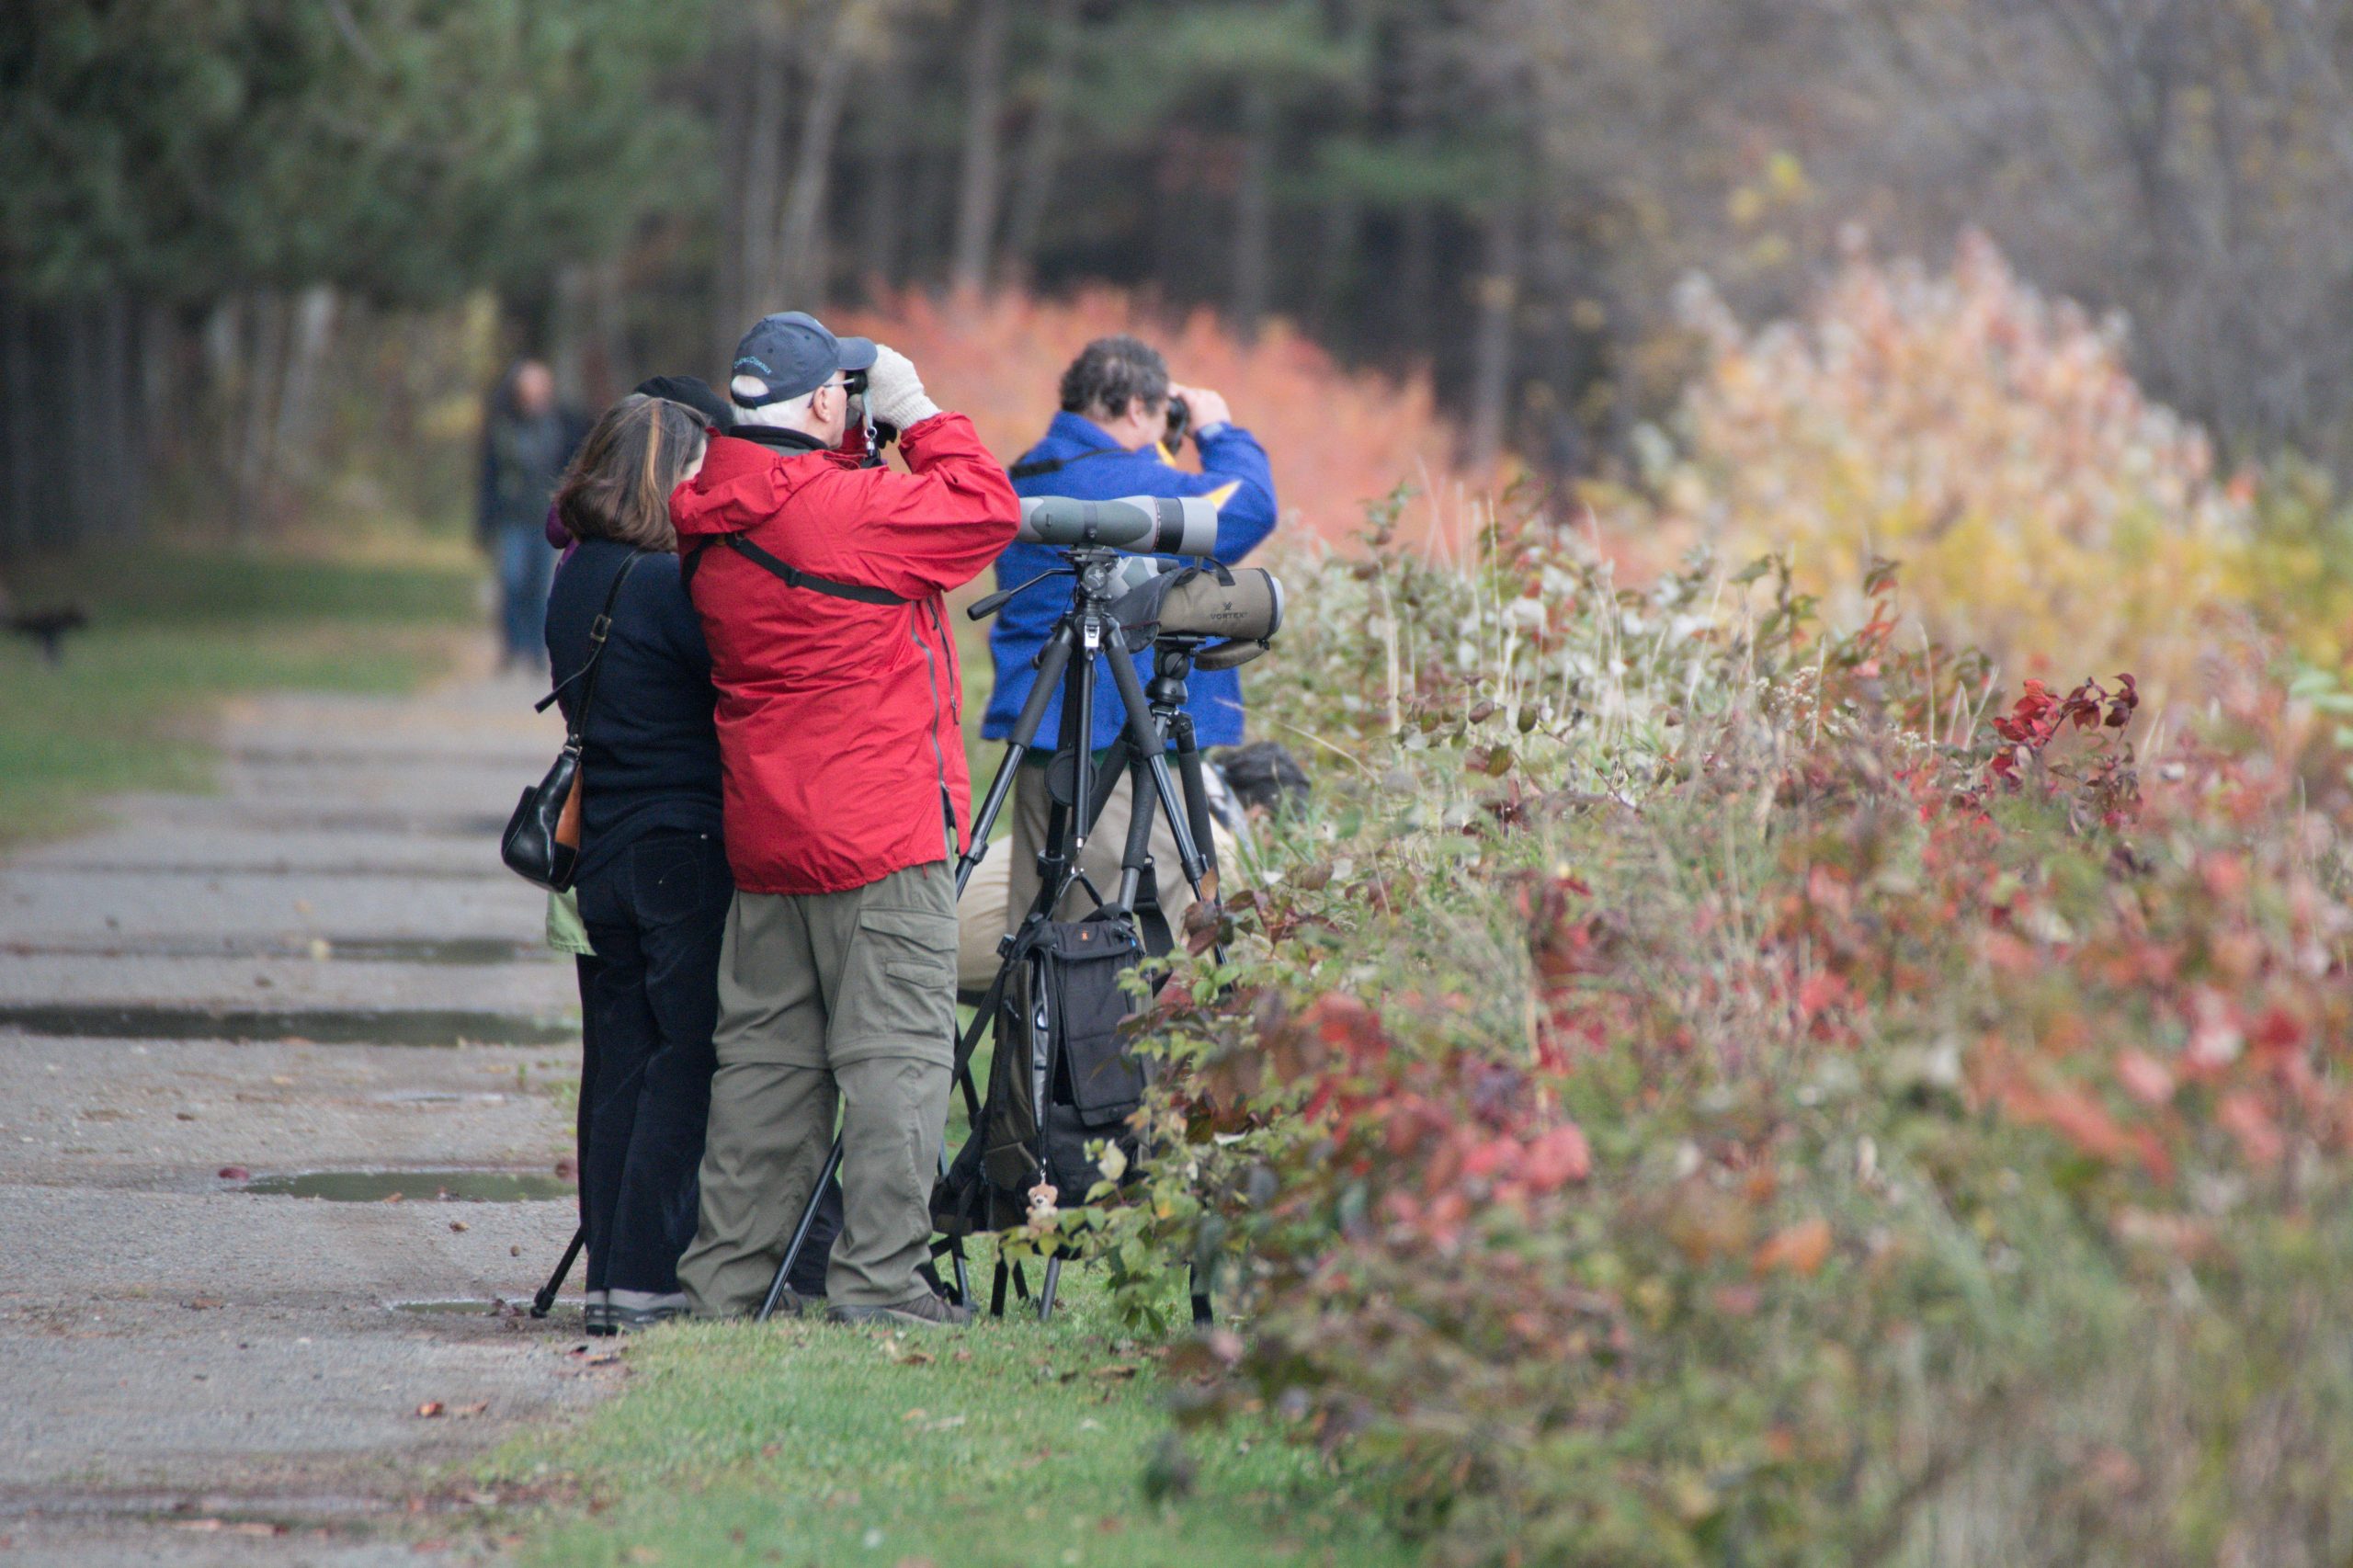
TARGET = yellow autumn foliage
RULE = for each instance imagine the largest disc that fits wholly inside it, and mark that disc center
(1991, 440)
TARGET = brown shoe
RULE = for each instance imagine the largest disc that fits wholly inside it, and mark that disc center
(926, 1311)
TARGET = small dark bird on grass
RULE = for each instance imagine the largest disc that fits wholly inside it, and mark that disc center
(48, 628)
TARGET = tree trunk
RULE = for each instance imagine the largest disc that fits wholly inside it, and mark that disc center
(752, 156)
(882, 220)
(298, 405)
(123, 432)
(1042, 150)
(928, 205)
(979, 174)
(20, 442)
(1253, 211)
(799, 277)
(1496, 303)
(263, 370)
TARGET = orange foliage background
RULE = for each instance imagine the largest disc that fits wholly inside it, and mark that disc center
(1337, 438)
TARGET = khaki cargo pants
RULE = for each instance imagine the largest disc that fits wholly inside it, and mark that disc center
(1106, 841)
(845, 998)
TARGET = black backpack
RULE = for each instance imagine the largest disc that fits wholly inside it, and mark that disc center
(1056, 1018)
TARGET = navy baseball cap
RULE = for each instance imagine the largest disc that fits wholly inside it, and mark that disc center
(791, 354)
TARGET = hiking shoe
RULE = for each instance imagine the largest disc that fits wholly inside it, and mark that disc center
(630, 1310)
(597, 1318)
(630, 1319)
(792, 1303)
(926, 1311)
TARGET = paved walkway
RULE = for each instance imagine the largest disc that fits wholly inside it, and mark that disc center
(278, 978)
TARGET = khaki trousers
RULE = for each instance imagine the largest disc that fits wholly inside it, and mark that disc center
(827, 1000)
(1106, 841)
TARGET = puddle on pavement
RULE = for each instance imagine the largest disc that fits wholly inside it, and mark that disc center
(465, 952)
(320, 1026)
(476, 1307)
(415, 1187)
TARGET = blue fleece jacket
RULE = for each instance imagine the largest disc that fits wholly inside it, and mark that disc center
(1097, 469)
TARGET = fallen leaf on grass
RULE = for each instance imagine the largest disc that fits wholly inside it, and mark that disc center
(393, 1197)
(1115, 1370)
(430, 1407)
(1801, 1248)
(235, 1173)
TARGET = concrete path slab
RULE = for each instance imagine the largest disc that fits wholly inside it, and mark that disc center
(196, 1374)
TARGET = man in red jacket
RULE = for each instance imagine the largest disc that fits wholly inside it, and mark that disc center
(818, 580)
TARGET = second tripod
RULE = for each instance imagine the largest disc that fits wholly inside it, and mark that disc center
(1114, 614)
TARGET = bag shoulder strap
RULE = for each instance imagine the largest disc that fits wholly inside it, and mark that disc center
(792, 575)
(598, 630)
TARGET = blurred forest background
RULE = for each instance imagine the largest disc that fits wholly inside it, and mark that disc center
(259, 259)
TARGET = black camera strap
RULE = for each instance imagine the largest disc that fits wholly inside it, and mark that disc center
(1041, 467)
(792, 576)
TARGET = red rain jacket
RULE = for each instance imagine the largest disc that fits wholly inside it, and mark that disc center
(838, 721)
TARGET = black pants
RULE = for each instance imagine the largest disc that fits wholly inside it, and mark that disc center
(650, 1000)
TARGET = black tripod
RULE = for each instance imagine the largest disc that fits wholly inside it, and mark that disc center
(1156, 721)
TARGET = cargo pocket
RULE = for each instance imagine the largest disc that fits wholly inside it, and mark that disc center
(898, 990)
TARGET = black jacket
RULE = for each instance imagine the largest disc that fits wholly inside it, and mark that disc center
(650, 756)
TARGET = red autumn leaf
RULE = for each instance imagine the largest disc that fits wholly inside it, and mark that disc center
(2244, 1117)
(1818, 991)
(2145, 1077)
(1801, 1248)
(1556, 1157)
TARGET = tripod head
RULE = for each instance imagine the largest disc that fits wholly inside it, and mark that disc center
(1105, 575)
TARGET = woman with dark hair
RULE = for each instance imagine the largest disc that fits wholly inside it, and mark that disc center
(652, 880)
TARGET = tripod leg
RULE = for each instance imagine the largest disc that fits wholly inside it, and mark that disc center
(1046, 1292)
(1148, 745)
(997, 1289)
(1138, 851)
(1197, 792)
(1051, 662)
(1202, 1315)
(544, 1302)
(801, 1232)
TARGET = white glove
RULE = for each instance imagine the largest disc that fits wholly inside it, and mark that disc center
(896, 392)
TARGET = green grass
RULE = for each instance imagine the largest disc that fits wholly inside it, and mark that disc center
(171, 631)
(1011, 1444)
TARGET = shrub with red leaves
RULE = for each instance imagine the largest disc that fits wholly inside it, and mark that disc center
(1801, 1111)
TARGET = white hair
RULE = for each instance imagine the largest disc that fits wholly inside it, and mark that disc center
(790, 414)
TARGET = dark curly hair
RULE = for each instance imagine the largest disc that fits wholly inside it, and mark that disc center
(1112, 371)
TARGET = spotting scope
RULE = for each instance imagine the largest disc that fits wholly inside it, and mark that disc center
(1152, 525)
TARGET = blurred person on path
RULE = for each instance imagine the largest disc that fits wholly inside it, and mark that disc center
(527, 440)
(1112, 438)
(819, 577)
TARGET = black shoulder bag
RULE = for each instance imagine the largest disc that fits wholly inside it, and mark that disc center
(542, 842)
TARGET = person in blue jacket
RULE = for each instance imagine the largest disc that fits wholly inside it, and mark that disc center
(1111, 440)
